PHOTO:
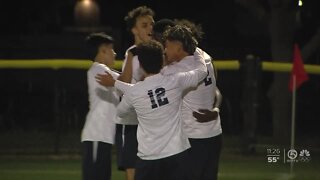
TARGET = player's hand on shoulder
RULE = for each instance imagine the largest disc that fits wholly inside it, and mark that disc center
(105, 79)
(205, 115)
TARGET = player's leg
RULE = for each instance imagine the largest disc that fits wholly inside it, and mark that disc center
(87, 161)
(130, 173)
(176, 166)
(127, 147)
(169, 168)
(103, 161)
(148, 169)
(119, 140)
(130, 150)
(197, 159)
(214, 145)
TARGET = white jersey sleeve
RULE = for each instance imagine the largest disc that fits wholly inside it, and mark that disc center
(124, 108)
(122, 86)
(194, 77)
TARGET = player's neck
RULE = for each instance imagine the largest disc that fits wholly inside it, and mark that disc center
(137, 41)
(98, 59)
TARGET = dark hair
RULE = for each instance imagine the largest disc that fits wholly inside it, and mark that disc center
(160, 27)
(196, 29)
(183, 35)
(94, 41)
(150, 56)
(132, 16)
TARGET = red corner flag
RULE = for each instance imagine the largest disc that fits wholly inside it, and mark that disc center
(297, 69)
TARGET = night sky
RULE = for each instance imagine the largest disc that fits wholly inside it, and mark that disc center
(226, 24)
(223, 21)
(17, 15)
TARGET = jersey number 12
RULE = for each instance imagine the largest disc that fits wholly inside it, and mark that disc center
(160, 97)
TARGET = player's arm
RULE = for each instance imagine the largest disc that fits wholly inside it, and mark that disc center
(107, 80)
(217, 92)
(218, 98)
(126, 74)
(205, 115)
(122, 86)
(194, 77)
(124, 107)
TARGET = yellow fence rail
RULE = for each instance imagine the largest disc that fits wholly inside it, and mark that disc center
(85, 64)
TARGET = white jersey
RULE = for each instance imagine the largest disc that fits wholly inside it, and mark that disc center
(100, 125)
(137, 73)
(201, 97)
(157, 101)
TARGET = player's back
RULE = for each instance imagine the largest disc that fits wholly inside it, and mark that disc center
(157, 102)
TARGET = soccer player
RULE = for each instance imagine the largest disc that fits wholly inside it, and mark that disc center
(139, 23)
(205, 132)
(157, 100)
(98, 133)
(204, 115)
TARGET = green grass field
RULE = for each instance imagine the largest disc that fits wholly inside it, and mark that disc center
(232, 167)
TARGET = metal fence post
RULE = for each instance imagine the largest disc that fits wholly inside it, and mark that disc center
(251, 72)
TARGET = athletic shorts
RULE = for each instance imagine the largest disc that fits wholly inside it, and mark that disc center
(126, 146)
(169, 168)
(96, 160)
(204, 158)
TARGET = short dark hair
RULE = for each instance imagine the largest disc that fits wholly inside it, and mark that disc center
(132, 16)
(196, 29)
(94, 41)
(184, 35)
(150, 56)
(160, 27)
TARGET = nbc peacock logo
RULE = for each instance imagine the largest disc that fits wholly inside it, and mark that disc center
(304, 156)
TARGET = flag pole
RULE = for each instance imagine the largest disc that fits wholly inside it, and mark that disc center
(298, 76)
(293, 119)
